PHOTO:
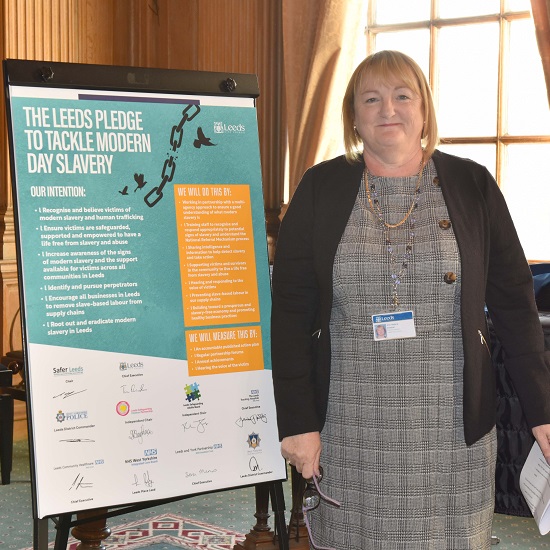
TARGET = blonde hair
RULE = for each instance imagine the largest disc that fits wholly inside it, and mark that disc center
(387, 65)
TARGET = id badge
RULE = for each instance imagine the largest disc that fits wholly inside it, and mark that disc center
(392, 326)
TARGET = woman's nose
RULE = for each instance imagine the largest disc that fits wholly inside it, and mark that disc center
(386, 107)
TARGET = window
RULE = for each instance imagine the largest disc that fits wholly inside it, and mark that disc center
(487, 80)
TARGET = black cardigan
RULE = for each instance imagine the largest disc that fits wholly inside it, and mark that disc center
(494, 272)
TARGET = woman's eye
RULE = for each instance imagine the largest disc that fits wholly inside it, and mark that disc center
(402, 97)
(370, 100)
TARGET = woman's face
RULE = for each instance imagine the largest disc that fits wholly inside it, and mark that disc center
(389, 117)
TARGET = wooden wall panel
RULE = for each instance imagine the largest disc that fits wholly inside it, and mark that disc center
(96, 29)
(122, 39)
(31, 29)
(39, 29)
(159, 33)
(178, 44)
(227, 35)
(271, 113)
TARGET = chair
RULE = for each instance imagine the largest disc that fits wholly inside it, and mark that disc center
(10, 364)
(515, 438)
(539, 269)
(541, 282)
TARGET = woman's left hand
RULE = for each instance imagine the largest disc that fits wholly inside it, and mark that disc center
(542, 435)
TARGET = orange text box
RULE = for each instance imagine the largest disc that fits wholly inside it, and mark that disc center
(220, 351)
(217, 258)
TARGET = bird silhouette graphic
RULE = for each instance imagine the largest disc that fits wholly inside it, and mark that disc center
(124, 191)
(202, 140)
(140, 180)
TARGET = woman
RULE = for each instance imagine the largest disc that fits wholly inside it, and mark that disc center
(380, 332)
(400, 232)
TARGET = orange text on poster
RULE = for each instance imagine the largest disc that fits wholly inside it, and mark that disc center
(217, 258)
(219, 351)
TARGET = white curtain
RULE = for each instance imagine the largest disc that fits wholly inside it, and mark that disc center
(541, 17)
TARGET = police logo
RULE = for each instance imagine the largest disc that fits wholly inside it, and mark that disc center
(253, 440)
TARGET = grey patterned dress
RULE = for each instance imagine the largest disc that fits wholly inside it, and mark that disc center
(393, 444)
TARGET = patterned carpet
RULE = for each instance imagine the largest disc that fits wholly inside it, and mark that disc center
(167, 532)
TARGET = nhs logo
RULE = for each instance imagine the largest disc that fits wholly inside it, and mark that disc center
(150, 452)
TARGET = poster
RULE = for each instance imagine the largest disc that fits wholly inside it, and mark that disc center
(146, 295)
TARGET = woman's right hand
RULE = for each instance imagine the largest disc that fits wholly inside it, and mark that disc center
(304, 452)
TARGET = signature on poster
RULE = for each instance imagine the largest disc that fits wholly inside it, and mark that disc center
(260, 417)
(140, 434)
(201, 472)
(198, 425)
(77, 440)
(65, 394)
(147, 481)
(79, 483)
(134, 388)
(253, 464)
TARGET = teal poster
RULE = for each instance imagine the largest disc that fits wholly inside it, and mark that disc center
(146, 294)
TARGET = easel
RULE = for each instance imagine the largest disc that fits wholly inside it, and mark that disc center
(97, 531)
(48, 78)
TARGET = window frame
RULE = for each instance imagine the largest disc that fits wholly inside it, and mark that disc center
(504, 18)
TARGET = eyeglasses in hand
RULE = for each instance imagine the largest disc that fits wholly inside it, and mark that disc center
(311, 499)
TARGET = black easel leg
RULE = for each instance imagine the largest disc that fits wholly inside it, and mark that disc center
(278, 506)
(6, 437)
(62, 536)
(40, 534)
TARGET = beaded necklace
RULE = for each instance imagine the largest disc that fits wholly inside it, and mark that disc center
(376, 203)
(397, 273)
